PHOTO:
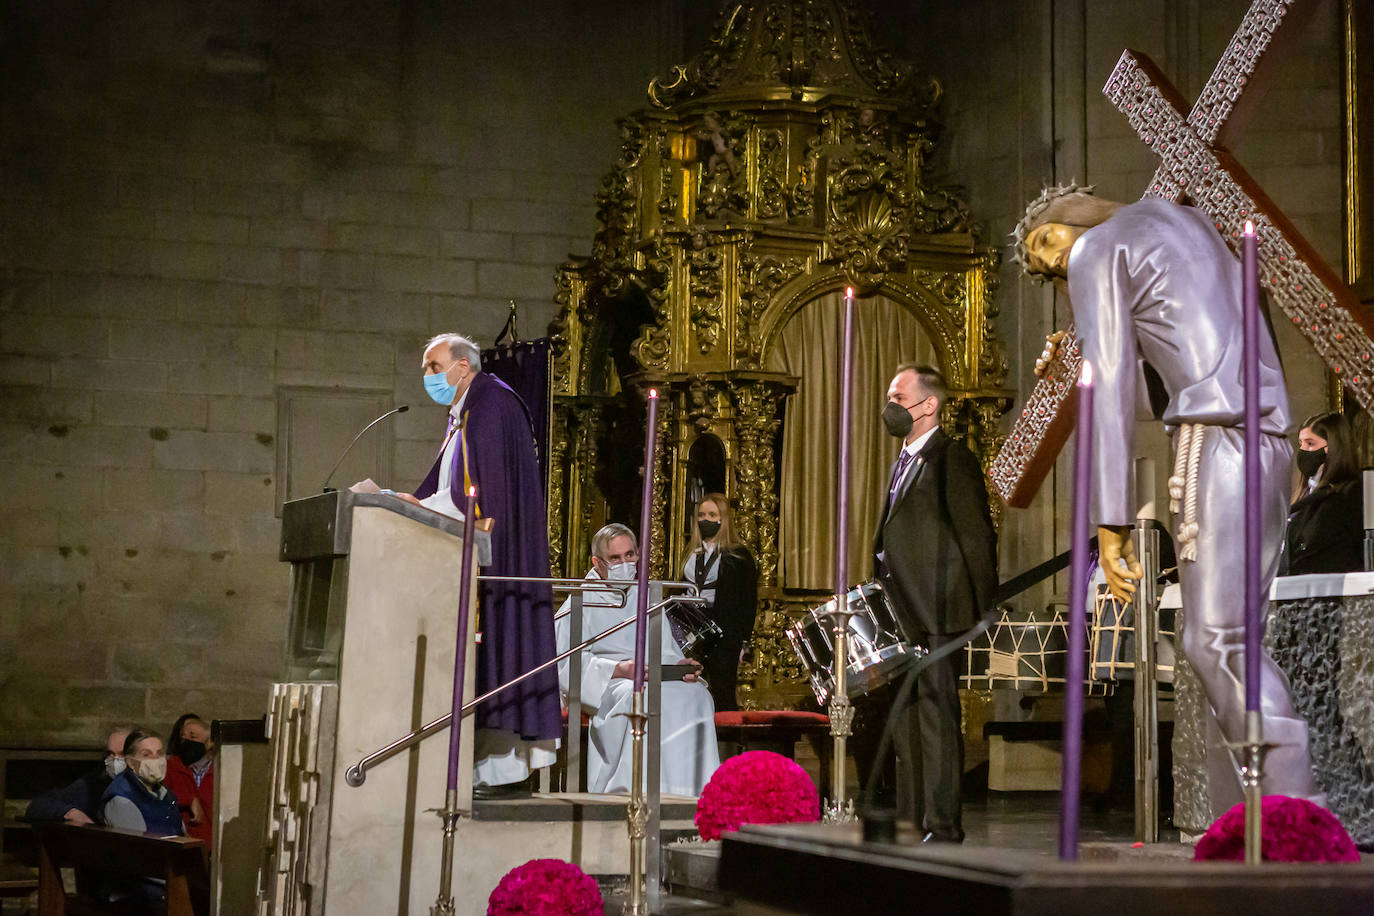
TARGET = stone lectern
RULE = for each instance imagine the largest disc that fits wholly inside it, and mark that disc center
(370, 657)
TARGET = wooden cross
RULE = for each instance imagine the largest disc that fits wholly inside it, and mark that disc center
(1196, 166)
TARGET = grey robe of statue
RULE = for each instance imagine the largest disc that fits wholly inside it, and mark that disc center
(1157, 283)
(687, 716)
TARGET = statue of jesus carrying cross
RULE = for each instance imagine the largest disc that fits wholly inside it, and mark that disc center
(1154, 289)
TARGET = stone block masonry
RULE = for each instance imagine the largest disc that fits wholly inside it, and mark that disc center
(181, 235)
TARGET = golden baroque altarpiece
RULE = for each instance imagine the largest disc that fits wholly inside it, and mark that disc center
(786, 162)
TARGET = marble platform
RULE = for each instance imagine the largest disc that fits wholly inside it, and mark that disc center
(821, 869)
(1321, 634)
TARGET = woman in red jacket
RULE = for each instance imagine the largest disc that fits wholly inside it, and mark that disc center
(191, 774)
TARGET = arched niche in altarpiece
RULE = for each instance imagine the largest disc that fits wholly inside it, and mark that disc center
(784, 165)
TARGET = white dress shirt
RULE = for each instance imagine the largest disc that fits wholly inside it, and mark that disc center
(442, 499)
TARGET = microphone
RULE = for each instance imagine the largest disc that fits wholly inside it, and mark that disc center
(395, 410)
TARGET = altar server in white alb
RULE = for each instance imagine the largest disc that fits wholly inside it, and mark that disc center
(689, 755)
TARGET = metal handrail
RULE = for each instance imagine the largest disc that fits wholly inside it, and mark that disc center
(356, 775)
(623, 586)
(564, 585)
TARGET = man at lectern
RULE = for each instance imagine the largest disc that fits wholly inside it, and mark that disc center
(490, 444)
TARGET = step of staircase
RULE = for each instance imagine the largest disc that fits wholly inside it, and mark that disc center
(579, 806)
(692, 870)
(579, 827)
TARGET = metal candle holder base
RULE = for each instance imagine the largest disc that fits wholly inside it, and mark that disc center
(840, 711)
(443, 903)
(636, 812)
(1253, 750)
(838, 812)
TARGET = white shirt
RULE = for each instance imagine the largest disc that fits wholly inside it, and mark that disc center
(702, 554)
(442, 500)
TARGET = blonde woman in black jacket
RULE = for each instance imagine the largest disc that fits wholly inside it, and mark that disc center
(725, 572)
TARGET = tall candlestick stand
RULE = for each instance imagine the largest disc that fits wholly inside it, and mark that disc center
(443, 903)
(1078, 604)
(636, 812)
(1254, 601)
(840, 711)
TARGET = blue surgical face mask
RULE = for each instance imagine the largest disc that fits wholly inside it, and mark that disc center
(439, 389)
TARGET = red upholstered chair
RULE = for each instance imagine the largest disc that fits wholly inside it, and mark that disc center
(776, 730)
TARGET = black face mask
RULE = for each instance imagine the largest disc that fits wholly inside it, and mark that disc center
(897, 420)
(190, 751)
(708, 529)
(1310, 462)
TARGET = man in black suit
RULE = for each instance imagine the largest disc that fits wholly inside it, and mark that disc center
(936, 555)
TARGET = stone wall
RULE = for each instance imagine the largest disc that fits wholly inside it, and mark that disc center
(204, 203)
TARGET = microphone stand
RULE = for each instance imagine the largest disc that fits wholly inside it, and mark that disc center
(395, 410)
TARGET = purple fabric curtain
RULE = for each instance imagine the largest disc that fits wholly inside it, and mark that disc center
(524, 366)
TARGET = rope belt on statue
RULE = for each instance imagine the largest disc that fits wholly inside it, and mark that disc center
(1183, 487)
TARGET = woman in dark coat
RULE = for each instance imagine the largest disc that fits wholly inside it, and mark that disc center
(724, 570)
(1325, 525)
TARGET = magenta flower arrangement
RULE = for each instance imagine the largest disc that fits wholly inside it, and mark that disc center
(1294, 830)
(546, 887)
(757, 787)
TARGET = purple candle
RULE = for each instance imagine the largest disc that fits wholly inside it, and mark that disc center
(646, 513)
(1254, 601)
(455, 731)
(1078, 602)
(846, 390)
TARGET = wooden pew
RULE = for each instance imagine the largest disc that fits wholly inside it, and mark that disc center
(179, 861)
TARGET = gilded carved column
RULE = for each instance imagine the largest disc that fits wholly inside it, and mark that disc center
(560, 475)
(757, 404)
(573, 497)
(666, 460)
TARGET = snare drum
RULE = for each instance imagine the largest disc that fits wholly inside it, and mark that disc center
(877, 653)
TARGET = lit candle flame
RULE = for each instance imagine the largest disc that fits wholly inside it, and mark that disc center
(1249, 227)
(1086, 377)
(472, 491)
(849, 292)
(653, 392)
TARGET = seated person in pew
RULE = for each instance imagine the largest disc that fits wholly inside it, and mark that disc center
(191, 774)
(689, 754)
(79, 802)
(136, 799)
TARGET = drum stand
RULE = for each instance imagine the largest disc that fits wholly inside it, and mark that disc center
(838, 810)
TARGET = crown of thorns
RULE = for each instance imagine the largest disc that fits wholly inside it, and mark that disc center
(1034, 211)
